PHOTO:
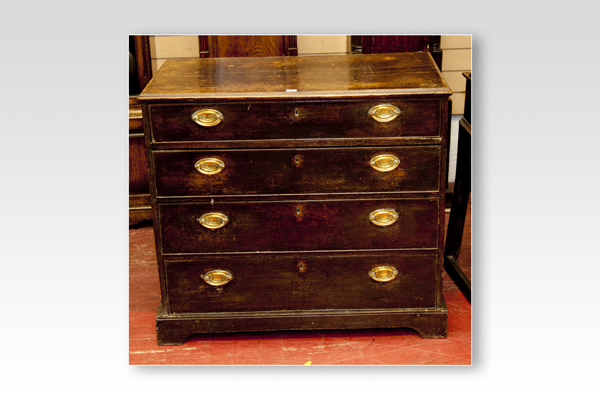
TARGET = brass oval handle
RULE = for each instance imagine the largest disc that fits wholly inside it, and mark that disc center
(213, 220)
(385, 162)
(384, 273)
(217, 277)
(209, 166)
(207, 117)
(384, 112)
(383, 217)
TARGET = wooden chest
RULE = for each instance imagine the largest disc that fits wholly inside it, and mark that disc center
(298, 193)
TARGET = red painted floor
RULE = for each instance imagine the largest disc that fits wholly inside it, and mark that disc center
(354, 347)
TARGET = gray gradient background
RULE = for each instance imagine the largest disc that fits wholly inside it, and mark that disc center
(64, 162)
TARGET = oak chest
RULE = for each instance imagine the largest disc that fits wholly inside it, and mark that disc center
(296, 193)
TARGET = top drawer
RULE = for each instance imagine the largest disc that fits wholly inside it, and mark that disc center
(296, 120)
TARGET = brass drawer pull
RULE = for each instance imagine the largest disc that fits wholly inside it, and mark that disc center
(385, 273)
(209, 166)
(207, 117)
(383, 217)
(385, 162)
(213, 220)
(384, 112)
(217, 277)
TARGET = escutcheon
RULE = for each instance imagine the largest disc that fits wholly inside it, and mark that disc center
(383, 217)
(384, 112)
(209, 166)
(213, 220)
(207, 117)
(217, 277)
(384, 273)
(385, 162)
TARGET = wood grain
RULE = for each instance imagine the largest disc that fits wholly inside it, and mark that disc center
(296, 120)
(298, 226)
(297, 188)
(246, 46)
(302, 282)
(306, 77)
(296, 171)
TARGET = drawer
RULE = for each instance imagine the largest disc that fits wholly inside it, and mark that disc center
(301, 283)
(294, 120)
(298, 226)
(297, 171)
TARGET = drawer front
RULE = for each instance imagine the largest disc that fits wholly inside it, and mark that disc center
(298, 226)
(294, 120)
(297, 171)
(300, 283)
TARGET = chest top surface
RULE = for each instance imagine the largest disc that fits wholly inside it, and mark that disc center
(301, 77)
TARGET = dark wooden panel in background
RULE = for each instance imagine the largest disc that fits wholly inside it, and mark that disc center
(375, 44)
(139, 191)
(247, 46)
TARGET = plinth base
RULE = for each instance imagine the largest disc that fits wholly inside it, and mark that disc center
(174, 329)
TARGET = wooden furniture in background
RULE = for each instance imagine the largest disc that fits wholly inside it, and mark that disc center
(247, 46)
(460, 199)
(298, 193)
(139, 191)
(467, 113)
(376, 44)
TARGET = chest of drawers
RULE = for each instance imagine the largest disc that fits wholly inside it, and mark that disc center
(298, 193)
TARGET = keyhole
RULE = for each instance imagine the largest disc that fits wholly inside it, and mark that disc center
(297, 210)
(301, 266)
(297, 159)
(297, 112)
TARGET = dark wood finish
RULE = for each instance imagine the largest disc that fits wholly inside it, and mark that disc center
(173, 330)
(356, 44)
(467, 112)
(295, 120)
(203, 47)
(138, 167)
(309, 78)
(298, 226)
(143, 59)
(140, 208)
(289, 143)
(139, 191)
(405, 43)
(301, 282)
(296, 171)
(377, 44)
(290, 46)
(395, 44)
(247, 46)
(460, 202)
(298, 189)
